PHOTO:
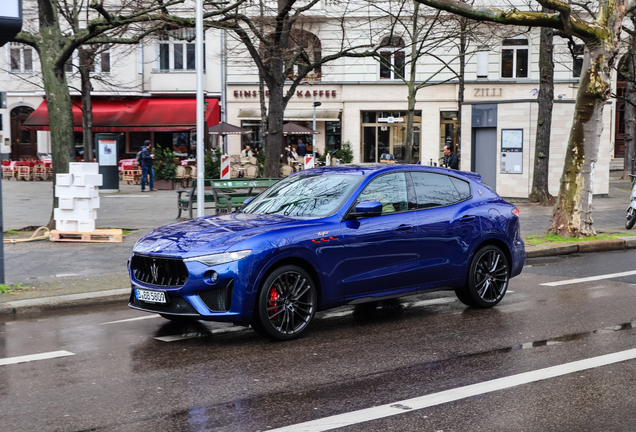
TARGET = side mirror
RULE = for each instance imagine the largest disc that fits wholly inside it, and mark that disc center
(368, 209)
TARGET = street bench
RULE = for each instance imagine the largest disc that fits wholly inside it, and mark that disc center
(222, 194)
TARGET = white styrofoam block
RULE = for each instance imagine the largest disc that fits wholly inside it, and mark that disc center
(76, 192)
(75, 214)
(66, 225)
(66, 203)
(64, 179)
(86, 226)
(88, 180)
(83, 168)
(86, 203)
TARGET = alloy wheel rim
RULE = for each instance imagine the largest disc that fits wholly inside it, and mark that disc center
(491, 276)
(290, 304)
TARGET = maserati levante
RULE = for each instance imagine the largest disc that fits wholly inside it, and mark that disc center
(326, 237)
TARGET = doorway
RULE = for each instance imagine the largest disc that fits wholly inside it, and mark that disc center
(24, 143)
(485, 152)
(381, 137)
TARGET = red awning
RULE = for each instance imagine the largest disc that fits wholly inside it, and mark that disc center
(133, 115)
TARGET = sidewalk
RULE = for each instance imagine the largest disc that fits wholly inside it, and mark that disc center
(63, 274)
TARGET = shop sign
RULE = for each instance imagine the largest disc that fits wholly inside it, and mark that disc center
(299, 93)
(488, 92)
(391, 120)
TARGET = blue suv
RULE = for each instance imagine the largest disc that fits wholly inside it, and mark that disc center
(325, 237)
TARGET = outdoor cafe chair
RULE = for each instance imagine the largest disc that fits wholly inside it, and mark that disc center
(8, 172)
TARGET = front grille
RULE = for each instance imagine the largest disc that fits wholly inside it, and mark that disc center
(158, 271)
(218, 299)
(177, 305)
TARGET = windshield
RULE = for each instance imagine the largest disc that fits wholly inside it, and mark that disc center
(304, 196)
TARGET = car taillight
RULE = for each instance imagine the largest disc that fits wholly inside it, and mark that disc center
(515, 211)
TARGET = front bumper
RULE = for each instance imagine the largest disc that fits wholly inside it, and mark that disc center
(223, 300)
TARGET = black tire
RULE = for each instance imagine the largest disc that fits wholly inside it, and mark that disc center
(487, 280)
(285, 304)
(630, 219)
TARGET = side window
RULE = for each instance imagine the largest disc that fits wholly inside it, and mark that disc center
(462, 187)
(390, 190)
(434, 190)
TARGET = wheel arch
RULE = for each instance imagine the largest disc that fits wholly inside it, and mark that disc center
(297, 261)
(499, 244)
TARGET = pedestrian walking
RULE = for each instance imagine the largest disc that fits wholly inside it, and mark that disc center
(146, 167)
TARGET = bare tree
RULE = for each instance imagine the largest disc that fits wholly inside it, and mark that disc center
(572, 214)
(55, 44)
(286, 52)
(540, 192)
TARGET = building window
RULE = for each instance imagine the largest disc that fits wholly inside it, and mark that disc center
(20, 58)
(514, 58)
(577, 60)
(176, 51)
(392, 58)
(104, 63)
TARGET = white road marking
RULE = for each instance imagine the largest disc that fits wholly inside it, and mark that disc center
(34, 357)
(434, 301)
(409, 405)
(590, 279)
(132, 319)
(174, 338)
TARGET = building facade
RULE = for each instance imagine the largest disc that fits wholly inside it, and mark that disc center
(363, 100)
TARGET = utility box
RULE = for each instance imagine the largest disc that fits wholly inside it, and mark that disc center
(106, 146)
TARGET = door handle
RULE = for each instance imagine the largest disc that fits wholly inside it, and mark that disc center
(403, 228)
(466, 218)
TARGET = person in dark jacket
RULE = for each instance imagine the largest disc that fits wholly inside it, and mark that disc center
(146, 167)
(450, 159)
(301, 148)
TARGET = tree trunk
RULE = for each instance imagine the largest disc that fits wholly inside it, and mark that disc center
(630, 111)
(410, 117)
(572, 214)
(274, 130)
(86, 59)
(58, 99)
(540, 192)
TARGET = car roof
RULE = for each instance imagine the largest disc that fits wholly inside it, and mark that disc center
(366, 169)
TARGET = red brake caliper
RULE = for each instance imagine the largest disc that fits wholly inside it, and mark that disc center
(273, 296)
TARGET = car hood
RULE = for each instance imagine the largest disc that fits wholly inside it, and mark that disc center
(207, 234)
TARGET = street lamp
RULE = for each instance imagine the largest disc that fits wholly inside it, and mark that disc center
(313, 146)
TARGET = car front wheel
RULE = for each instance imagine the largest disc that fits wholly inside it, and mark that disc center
(286, 304)
(487, 280)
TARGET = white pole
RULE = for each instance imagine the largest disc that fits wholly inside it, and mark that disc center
(200, 105)
(224, 86)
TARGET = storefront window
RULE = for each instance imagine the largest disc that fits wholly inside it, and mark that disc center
(332, 136)
(384, 132)
(255, 139)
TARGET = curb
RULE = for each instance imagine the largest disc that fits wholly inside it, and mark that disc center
(620, 243)
(43, 304)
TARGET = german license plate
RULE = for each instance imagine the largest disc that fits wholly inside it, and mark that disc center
(151, 296)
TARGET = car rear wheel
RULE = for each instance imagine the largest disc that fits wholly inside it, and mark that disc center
(286, 304)
(488, 278)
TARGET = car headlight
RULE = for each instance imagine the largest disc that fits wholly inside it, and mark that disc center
(220, 258)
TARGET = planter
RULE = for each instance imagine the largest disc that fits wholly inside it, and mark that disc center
(164, 184)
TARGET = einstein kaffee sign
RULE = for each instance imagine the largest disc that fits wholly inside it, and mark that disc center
(10, 19)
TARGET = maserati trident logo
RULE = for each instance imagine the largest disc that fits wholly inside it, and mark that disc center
(154, 271)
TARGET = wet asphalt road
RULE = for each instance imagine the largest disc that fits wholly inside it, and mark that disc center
(151, 374)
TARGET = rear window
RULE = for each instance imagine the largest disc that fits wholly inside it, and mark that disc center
(436, 190)
(463, 188)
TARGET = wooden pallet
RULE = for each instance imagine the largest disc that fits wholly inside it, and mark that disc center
(97, 236)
